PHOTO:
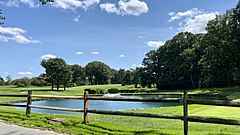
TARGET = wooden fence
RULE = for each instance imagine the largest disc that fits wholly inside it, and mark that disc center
(184, 100)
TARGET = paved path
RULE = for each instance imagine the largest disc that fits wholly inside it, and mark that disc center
(8, 129)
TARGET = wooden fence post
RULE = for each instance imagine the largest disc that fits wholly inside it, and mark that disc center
(185, 112)
(85, 107)
(29, 102)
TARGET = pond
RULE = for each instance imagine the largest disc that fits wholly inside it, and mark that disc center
(108, 105)
(98, 104)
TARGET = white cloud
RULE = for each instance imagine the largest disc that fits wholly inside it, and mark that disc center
(95, 53)
(110, 8)
(74, 4)
(126, 7)
(25, 73)
(189, 13)
(79, 53)
(141, 37)
(76, 19)
(197, 24)
(135, 65)
(47, 56)
(155, 44)
(15, 34)
(195, 20)
(122, 56)
(15, 3)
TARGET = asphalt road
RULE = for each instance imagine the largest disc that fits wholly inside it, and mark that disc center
(8, 129)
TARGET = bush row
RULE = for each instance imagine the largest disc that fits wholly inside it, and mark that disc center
(114, 91)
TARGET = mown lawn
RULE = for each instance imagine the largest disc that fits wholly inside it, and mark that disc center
(107, 124)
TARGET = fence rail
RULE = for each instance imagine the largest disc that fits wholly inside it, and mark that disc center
(184, 100)
(177, 100)
(57, 108)
(58, 97)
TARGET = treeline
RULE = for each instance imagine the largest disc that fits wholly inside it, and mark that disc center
(198, 60)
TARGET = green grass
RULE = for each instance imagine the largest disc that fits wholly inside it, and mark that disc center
(108, 124)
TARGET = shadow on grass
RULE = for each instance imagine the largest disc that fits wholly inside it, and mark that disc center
(232, 93)
(137, 132)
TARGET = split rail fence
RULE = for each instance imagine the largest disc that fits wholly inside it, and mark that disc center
(184, 100)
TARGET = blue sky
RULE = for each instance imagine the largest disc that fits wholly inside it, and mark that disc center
(116, 32)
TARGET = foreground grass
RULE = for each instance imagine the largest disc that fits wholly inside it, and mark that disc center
(107, 124)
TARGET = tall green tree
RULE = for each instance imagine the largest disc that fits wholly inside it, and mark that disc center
(222, 54)
(98, 73)
(57, 71)
(8, 80)
(136, 76)
(66, 76)
(1, 81)
(127, 79)
(78, 75)
(148, 74)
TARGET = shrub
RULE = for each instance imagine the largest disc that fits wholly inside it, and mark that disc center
(113, 91)
(100, 91)
(128, 91)
(22, 82)
(97, 91)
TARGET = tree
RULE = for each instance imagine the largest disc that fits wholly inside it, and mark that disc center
(8, 80)
(136, 76)
(78, 75)
(22, 82)
(127, 79)
(1, 81)
(174, 65)
(148, 74)
(117, 76)
(98, 73)
(46, 1)
(221, 59)
(57, 71)
(66, 76)
(39, 81)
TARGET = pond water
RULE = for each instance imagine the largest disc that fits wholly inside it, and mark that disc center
(109, 105)
(98, 104)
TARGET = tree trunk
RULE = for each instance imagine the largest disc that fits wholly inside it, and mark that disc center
(57, 85)
(64, 86)
(52, 85)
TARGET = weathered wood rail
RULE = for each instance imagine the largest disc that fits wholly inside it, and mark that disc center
(184, 100)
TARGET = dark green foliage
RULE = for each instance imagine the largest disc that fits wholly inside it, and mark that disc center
(127, 79)
(189, 61)
(96, 91)
(98, 73)
(113, 91)
(1, 81)
(22, 82)
(43, 2)
(57, 71)
(8, 80)
(78, 75)
(128, 91)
